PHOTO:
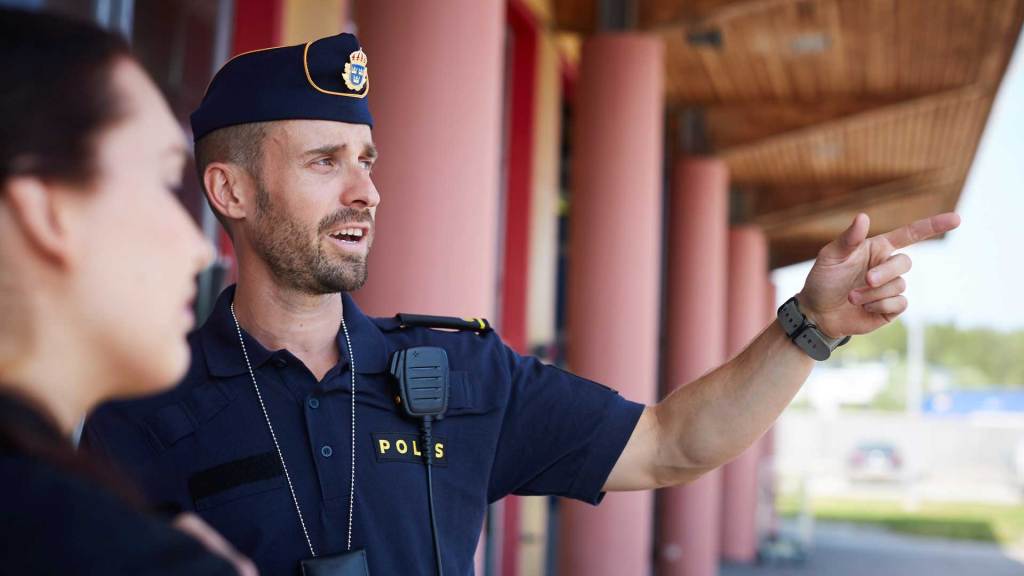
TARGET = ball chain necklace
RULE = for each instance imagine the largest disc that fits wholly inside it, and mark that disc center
(277, 446)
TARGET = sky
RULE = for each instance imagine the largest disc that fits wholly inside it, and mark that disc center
(975, 276)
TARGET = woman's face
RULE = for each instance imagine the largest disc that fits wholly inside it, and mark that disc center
(137, 250)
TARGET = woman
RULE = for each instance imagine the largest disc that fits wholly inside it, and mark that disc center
(97, 261)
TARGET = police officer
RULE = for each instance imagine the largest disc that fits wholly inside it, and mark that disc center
(289, 434)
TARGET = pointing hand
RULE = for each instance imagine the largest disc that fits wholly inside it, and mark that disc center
(856, 284)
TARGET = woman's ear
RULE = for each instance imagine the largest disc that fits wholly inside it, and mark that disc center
(35, 209)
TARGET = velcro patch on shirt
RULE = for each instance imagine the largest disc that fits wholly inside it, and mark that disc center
(408, 448)
(226, 476)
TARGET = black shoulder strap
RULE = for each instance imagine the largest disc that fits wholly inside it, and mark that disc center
(447, 322)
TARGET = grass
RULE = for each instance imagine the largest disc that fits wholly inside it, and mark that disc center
(962, 521)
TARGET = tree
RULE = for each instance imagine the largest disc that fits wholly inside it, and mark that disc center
(977, 357)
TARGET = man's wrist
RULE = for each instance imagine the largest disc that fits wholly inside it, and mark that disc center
(803, 330)
(812, 315)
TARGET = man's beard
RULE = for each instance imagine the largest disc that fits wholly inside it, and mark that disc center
(283, 244)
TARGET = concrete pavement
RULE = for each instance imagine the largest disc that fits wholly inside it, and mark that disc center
(857, 550)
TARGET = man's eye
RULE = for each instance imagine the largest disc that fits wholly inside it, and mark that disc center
(324, 162)
(366, 165)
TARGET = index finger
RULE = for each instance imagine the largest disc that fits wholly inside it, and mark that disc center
(922, 230)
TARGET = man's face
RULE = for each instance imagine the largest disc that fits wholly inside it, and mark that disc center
(315, 204)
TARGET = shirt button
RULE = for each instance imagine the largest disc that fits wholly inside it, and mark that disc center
(314, 403)
(327, 451)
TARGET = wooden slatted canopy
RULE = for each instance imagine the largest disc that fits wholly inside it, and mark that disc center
(823, 108)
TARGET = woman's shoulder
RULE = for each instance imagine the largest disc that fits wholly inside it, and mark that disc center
(56, 522)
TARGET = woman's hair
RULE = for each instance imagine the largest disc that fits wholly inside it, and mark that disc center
(57, 94)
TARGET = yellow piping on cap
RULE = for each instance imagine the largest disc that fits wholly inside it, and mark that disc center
(305, 65)
(247, 52)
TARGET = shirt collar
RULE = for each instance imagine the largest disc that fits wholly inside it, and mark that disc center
(224, 357)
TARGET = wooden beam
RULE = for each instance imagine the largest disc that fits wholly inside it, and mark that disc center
(776, 197)
(801, 241)
(863, 198)
(737, 124)
(715, 16)
(786, 252)
(883, 111)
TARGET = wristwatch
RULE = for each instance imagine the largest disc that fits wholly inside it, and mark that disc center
(805, 334)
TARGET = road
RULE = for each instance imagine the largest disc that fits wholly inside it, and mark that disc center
(856, 550)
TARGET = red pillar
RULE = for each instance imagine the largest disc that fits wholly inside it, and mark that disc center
(436, 88)
(257, 25)
(521, 96)
(435, 72)
(748, 269)
(695, 331)
(614, 262)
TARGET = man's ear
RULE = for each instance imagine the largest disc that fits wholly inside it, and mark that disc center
(229, 189)
(37, 210)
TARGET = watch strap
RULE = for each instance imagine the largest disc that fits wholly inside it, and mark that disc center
(791, 318)
(805, 334)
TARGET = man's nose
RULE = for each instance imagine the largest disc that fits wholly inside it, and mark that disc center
(361, 192)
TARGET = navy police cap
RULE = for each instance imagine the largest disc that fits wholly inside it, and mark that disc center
(326, 79)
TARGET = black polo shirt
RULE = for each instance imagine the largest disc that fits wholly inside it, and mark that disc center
(513, 426)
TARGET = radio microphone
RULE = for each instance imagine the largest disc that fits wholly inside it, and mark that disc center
(422, 376)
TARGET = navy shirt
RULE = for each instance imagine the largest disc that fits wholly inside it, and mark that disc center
(513, 426)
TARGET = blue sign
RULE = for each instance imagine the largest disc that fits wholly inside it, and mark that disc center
(971, 401)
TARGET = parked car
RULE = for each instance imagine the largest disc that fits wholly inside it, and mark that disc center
(874, 461)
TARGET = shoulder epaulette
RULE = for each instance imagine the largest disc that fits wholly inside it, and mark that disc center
(446, 322)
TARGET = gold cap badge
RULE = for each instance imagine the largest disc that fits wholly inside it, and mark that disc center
(356, 75)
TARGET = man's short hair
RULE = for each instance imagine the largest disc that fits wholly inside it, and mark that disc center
(241, 144)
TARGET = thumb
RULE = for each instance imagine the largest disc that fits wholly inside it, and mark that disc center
(850, 239)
